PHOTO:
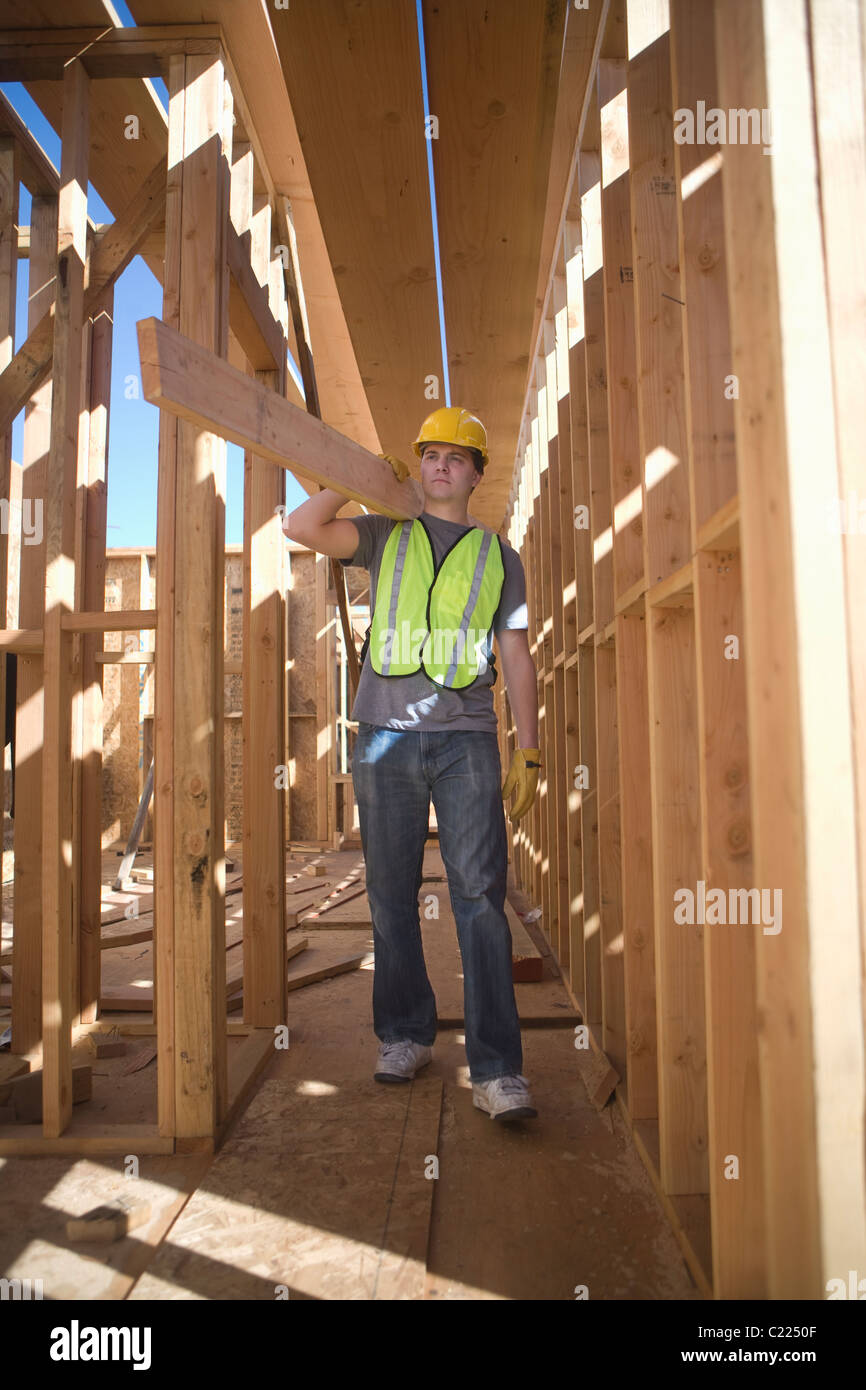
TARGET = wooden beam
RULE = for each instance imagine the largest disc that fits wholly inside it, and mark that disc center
(31, 364)
(255, 327)
(359, 70)
(494, 79)
(39, 55)
(35, 168)
(118, 620)
(265, 113)
(191, 382)
(58, 814)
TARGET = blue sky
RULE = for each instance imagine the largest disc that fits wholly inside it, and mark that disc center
(133, 424)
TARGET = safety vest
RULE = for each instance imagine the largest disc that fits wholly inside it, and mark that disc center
(435, 618)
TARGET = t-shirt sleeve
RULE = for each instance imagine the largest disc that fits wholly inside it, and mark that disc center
(512, 611)
(370, 531)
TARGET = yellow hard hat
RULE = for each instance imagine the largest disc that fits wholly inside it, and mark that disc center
(452, 425)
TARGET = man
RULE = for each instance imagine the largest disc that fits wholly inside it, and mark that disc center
(427, 727)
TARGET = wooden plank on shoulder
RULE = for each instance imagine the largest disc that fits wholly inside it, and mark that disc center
(193, 383)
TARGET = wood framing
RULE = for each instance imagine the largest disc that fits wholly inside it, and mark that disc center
(189, 379)
(698, 701)
(665, 335)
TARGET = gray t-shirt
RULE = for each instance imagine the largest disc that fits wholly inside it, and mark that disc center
(416, 702)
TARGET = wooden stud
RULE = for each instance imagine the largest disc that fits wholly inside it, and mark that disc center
(709, 395)
(811, 1044)
(839, 77)
(324, 732)
(27, 909)
(264, 667)
(574, 826)
(578, 423)
(59, 968)
(613, 1039)
(679, 961)
(592, 1002)
(636, 827)
(9, 174)
(192, 1043)
(596, 387)
(164, 678)
(733, 1081)
(659, 309)
(619, 328)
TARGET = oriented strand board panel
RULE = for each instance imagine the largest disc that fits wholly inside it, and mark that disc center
(70, 1271)
(325, 1195)
(354, 81)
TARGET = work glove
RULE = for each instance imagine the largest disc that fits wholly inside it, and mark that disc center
(522, 777)
(401, 469)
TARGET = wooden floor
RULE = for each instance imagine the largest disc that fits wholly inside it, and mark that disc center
(327, 1185)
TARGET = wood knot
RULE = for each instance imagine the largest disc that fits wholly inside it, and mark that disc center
(739, 836)
(735, 776)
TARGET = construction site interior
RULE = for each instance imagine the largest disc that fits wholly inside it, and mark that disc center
(628, 234)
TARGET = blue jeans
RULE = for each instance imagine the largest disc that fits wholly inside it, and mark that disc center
(395, 772)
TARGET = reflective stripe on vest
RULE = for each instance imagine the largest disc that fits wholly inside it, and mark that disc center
(435, 619)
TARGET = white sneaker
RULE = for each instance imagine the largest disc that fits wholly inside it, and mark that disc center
(399, 1061)
(504, 1098)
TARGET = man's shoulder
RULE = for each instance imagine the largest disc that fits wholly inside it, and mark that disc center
(510, 556)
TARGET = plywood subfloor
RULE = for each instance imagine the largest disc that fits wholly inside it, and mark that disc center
(322, 1184)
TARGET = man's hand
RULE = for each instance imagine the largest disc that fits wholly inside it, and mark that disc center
(522, 777)
(401, 469)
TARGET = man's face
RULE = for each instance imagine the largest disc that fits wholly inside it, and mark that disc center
(447, 470)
